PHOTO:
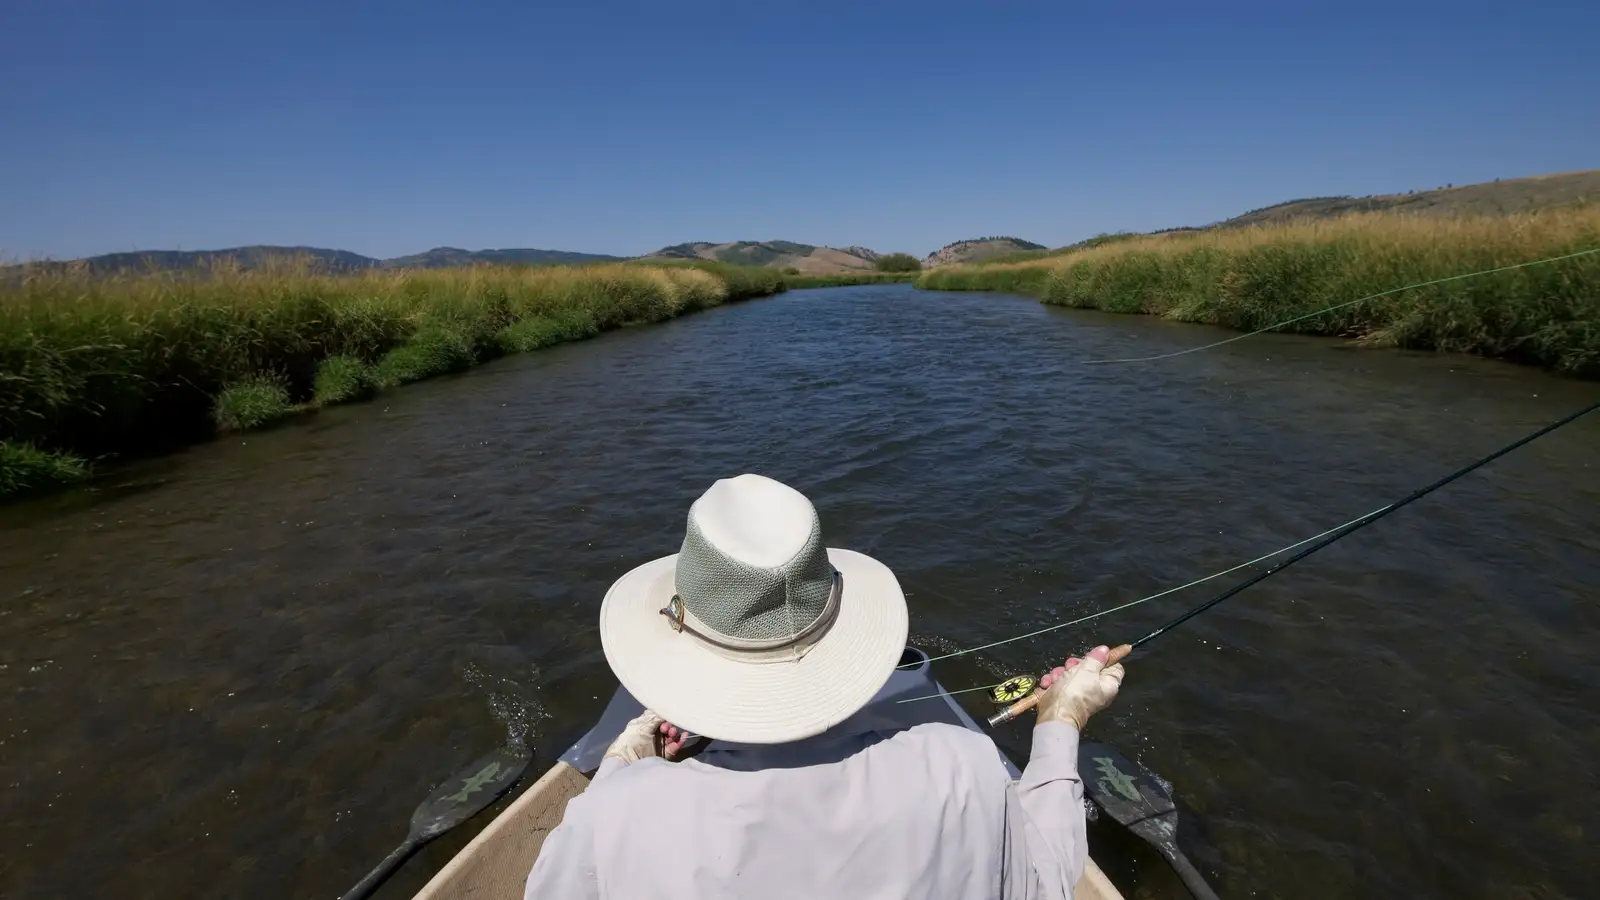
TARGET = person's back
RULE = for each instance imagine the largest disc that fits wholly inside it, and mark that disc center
(919, 813)
(789, 801)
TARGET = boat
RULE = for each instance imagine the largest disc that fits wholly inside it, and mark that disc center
(494, 865)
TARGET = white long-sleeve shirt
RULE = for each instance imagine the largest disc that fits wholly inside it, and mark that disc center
(928, 812)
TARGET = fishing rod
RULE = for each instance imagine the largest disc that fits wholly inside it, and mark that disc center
(1117, 654)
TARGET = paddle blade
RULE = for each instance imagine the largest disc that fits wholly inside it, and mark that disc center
(1127, 792)
(1131, 794)
(468, 792)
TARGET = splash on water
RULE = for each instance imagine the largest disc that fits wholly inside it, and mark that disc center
(936, 645)
(514, 704)
(933, 644)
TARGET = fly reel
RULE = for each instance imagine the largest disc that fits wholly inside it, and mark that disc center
(1013, 689)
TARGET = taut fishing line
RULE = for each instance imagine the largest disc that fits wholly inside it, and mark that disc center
(1174, 590)
(1005, 689)
(1537, 262)
(1316, 543)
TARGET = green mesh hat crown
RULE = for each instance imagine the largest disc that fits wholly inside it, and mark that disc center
(766, 600)
(755, 631)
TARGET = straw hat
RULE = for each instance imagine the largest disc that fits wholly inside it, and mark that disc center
(755, 632)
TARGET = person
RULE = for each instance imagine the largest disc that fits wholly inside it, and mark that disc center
(760, 637)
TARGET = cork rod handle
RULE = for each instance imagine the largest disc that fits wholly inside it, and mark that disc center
(1116, 655)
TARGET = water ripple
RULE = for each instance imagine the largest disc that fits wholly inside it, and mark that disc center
(260, 653)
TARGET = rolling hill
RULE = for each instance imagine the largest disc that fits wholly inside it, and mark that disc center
(1488, 198)
(253, 257)
(1511, 195)
(977, 250)
(337, 261)
(447, 257)
(807, 258)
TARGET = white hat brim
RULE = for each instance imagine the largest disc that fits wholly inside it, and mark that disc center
(770, 702)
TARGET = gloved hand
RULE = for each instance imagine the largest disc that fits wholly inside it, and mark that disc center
(638, 738)
(1077, 690)
(647, 734)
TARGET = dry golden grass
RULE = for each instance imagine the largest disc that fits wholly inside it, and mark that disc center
(1254, 277)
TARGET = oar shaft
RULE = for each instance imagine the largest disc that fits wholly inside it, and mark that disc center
(1032, 700)
(384, 869)
(1191, 877)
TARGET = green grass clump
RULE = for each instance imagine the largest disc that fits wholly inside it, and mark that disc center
(537, 332)
(139, 363)
(1005, 279)
(343, 379)
(844, 279)
(255, 402)
(430, 352)
(1253, 278)
(24, 469)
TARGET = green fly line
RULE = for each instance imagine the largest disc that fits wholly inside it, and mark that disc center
(1105, 612)
(1309, 546)
(1007, 686)
(1336, 306)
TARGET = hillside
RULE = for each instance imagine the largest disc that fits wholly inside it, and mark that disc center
(338, 261)
(449, 257)
(1510, 195)
(807, 258)
(1489, 198)
(253, 257)
(977, 250)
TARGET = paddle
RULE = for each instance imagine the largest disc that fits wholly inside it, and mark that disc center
(1129, 793)
(457, 800)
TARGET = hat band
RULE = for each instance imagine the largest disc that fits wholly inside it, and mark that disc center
(793, 647)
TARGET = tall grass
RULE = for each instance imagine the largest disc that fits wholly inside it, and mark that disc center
(25, 468)
(134, 364)
(256, 402)
(1252, 278)
(844, 279)
(743, 282)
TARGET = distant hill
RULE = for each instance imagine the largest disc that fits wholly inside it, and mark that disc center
(977, 250)
(1510, 195)
(809, 259)
(448, 257)
(336, 261)
(253, 257)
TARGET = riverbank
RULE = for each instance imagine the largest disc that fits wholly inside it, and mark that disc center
(1252, 278)
(846, 279)
(93, 368)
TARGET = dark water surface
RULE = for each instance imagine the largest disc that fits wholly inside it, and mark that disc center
(235, 671)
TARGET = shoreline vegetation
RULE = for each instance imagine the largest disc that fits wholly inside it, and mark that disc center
(846, 279)
(96, 367)
(1253, 277)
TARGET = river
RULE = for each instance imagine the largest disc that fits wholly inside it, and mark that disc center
(234, 671)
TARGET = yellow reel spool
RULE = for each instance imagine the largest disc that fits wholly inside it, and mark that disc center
(1013, 689)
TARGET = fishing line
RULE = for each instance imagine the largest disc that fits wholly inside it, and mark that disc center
(1327, 537)
(1537, 262)
(1174, 590)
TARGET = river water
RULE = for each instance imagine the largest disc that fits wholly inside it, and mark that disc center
(234, 671)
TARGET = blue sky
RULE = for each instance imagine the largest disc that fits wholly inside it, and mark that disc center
(619, 128)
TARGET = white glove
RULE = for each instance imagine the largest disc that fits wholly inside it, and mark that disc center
(1079, 689)
(638, 738)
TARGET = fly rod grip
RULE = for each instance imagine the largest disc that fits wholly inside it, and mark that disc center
(1116, 655)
